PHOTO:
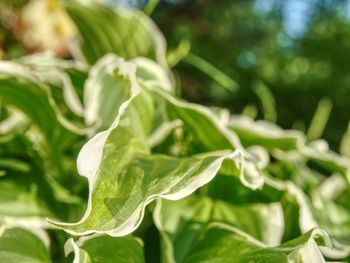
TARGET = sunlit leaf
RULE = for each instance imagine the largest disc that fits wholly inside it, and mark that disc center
(20, 245)
(182, 222)
(99, 248)
(222, 243)
(127, 33)
(123, 174)
(47, 133)
(19, 88)
(265, 134)
(58, 74)
(332, 212)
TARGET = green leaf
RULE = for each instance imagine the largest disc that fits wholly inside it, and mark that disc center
(124, 176)
(99, 248)
(332, 211)
(153, 73)
(30, 193)
(127, 33)
(223, 243)
(265, 134)
(48, 133)
(22, 195)
(294, 194)
(21, 245)
(182, 222)
(319, 153)
(14, 121)
(272, 137)
(19, 88)
(111, 82)
(195, 118)
(57, 74)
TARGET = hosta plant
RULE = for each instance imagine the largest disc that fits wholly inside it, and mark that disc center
(102, 161)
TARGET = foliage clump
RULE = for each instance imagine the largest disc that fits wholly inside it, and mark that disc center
(162, 179)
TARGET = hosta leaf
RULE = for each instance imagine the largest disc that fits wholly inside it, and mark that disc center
(195, 118)
(15, 121)
(222, 243)
(63, 81)
(124, 176)
(327, 208)
(57, 74)
(99, 248)
(21, 245)
(29, 195)
(327, 159)
(303, 214)
(111, 82)
(199, 122)
(297, 206)
(306, 220)
(49, 132)
(265, 134)
(272, 137)
(182, 223)
(127, 33)
(230, 189)
(20, 89)
(153, 73)
(22, 195)
(120, 193)
(26, 94)
(332, 211)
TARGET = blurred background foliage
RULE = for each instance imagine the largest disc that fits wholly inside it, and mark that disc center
(283, 61)
(296, 50)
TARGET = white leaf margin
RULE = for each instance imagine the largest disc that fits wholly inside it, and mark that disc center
(265, 129)
(162, 74)
(69, 94)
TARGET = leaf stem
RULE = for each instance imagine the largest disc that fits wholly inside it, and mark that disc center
(210, 70)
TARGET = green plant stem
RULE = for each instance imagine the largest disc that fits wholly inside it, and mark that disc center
(211, 71)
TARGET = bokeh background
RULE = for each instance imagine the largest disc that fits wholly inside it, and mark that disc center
(284, 61)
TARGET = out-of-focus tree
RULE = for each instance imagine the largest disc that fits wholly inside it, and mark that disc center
(296, 49)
